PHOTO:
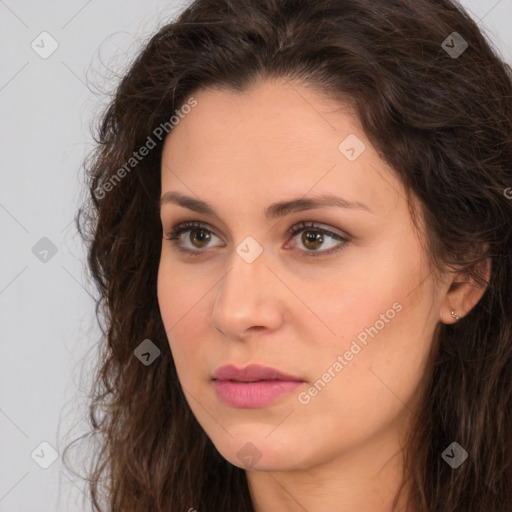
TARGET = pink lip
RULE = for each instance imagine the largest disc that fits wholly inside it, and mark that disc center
(252, 386)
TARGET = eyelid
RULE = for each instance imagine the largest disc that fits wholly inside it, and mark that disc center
(182, 227)
(301, 226)
(305, 224)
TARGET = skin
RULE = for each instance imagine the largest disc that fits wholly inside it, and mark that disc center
(241, 152)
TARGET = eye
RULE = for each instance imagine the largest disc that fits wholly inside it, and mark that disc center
(315, 237)
(199, 237)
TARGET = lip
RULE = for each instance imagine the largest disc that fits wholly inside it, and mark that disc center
(252, 386)
(252, 373)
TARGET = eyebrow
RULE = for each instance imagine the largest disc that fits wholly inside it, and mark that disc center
(273, 211)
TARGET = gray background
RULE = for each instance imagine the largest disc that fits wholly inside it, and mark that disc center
(47, 320)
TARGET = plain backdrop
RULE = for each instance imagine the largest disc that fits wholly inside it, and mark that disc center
(58, 59)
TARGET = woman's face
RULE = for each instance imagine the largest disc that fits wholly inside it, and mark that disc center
(347, 305)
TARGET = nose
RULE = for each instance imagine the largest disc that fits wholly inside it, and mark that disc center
(246, 300)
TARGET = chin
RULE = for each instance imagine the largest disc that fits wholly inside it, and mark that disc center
(257, 453)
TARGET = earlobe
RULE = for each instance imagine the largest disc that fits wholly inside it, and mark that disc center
(464, 293)
(455, 315)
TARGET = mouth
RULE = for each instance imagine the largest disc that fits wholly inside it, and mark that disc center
(253, 386)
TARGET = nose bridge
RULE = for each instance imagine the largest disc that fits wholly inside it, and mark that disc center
(246, 296)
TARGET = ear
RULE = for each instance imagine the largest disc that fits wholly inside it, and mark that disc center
(464, 292)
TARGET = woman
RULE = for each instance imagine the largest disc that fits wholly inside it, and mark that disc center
(299, 228)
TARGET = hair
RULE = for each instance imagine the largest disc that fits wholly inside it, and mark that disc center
(442, 122)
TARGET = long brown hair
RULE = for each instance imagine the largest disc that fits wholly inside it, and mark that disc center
(438, 112)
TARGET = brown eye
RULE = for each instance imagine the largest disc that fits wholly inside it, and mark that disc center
(199, 237)
(312, 239)
(190, 237)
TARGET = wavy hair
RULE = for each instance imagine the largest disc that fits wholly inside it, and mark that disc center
(443, 122)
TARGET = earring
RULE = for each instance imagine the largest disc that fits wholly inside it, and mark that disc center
(455, 315)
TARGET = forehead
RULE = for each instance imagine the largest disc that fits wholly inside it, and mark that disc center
(277, 138)
(269, 115)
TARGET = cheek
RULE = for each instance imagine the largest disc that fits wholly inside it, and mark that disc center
(352, 300)
(182, 309)
(385, 349)
(383, 323)
(377, 281)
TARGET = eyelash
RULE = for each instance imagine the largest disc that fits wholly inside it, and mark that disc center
(175, 233)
